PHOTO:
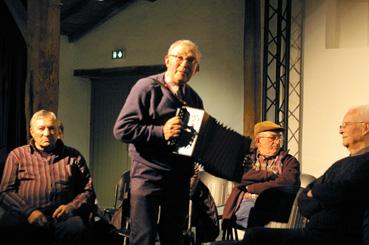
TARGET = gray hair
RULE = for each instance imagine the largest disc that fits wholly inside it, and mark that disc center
(187, 43)
(42, 114)
(361, 112)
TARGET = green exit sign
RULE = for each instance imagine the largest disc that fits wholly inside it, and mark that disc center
(118, 54)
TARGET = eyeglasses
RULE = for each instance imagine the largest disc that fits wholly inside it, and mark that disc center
(345, 124)
(180, 59)
(272, 138)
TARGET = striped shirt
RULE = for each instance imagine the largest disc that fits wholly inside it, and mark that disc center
(38, 180)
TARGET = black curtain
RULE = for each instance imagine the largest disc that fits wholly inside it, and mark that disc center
(13, 70)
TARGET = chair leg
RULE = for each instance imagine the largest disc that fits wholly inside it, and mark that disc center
(235, 234)
(230, 233)
(227, 234)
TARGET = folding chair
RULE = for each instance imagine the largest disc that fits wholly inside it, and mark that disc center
(121, 217)
(203, 215)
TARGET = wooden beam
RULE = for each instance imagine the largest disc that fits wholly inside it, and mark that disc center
(74, 9)
(19, 14)
(42, 88)
(252, 66)
(109, 9)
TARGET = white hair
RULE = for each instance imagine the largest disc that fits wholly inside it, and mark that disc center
(42, 114)
(361, 112)
(187, 43)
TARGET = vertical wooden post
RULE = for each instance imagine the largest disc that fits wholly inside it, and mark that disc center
(42, 87)
(252, 66)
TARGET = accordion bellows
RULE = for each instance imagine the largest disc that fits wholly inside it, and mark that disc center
(218, 148)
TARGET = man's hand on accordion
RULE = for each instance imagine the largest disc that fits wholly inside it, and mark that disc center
(172, 128)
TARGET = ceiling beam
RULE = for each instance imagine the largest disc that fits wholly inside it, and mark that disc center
(74, 9)
(19, 14)
(109, 10)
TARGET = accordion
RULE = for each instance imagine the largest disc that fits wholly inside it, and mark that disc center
(219, 149)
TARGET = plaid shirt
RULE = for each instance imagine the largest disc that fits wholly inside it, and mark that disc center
(38, 180)
(271, 164)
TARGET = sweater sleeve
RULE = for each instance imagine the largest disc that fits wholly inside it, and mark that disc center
(341, 180)
(344, 183)
(133, 124)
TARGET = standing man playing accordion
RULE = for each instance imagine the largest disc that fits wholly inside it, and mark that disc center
(148, 121)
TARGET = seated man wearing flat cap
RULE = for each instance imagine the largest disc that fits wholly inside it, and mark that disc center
(269, 166)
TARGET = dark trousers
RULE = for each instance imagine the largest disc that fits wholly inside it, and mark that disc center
(17, 230)
(268, 236)
(150, 190)
(261, 235)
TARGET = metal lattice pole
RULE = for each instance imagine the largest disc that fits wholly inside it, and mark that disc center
(295, 80)
(281, 100)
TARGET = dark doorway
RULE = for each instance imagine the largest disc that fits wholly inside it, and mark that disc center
(109, 157)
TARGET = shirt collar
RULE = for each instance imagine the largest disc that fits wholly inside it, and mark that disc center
(362, 151)
(172, 86)
(268, 157)
(58, 146)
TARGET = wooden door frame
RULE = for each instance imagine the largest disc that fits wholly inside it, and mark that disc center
(102, 73)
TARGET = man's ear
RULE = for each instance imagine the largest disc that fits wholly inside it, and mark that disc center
(198, 68)
(366, 129)
(31, 132)
(166, 60)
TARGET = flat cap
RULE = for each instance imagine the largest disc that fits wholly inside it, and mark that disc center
(266, 126)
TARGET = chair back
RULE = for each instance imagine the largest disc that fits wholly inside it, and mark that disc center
(122, 189)
(121, 217)
(296, 220)
(306, 179)
(218, 187)
(203, 214)
(272, 209)
(273, 204)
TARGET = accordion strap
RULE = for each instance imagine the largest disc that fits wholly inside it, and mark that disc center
(164, 85)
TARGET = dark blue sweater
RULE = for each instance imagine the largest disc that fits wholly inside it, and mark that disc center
(140, 123)
(340, 198)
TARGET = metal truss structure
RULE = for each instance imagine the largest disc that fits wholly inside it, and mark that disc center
(282, 77)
